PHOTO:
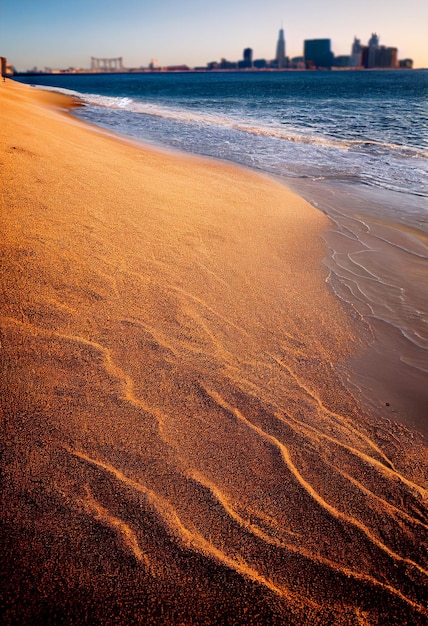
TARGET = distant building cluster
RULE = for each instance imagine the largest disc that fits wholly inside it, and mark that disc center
(107, 65)
(317, 55)
(375, 56)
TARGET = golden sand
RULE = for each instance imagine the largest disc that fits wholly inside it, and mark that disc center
(178, 446)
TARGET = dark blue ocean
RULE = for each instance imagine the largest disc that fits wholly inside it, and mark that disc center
(354, 143)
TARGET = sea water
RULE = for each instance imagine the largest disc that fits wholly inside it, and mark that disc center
(367, 127)
(354, 143)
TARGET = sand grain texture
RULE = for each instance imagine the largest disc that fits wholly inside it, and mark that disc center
(178, 447)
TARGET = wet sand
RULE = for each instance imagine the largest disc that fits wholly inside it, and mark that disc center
(378, 261)
(178, 443)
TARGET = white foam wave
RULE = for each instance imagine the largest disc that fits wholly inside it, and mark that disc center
(207, 118)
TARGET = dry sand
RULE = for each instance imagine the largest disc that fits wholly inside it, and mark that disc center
(178, 447)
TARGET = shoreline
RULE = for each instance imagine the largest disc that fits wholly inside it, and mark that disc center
(179, 444)
(344, 203)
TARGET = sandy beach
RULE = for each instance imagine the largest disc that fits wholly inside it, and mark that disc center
(178, 442)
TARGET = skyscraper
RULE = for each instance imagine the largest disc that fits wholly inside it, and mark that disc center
(318, 54)
(247, 61)
(356, 52)
(280, 50)
(373, 47)
(248, 57)
(386, 57)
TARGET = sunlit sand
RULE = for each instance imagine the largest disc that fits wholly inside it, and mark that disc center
(179, 444)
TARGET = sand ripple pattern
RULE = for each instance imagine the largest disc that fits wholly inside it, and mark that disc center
(179, 445)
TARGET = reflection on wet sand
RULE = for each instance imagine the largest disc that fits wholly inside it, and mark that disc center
(378, 264)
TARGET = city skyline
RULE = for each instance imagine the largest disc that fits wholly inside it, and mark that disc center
(62, 34)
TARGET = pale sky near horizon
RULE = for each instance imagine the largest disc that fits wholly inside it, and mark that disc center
(66, 33)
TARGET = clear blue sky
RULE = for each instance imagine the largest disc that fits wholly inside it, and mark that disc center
(64, 33)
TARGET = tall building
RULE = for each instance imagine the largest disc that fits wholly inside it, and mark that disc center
(248, 57)
(373, 47)
(247, 61)
(364, 57)
(387, 57)
(280, 50)
(356, 52)
(376, 56)
(318, 54)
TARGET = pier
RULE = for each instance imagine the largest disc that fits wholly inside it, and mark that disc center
(114, 64)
